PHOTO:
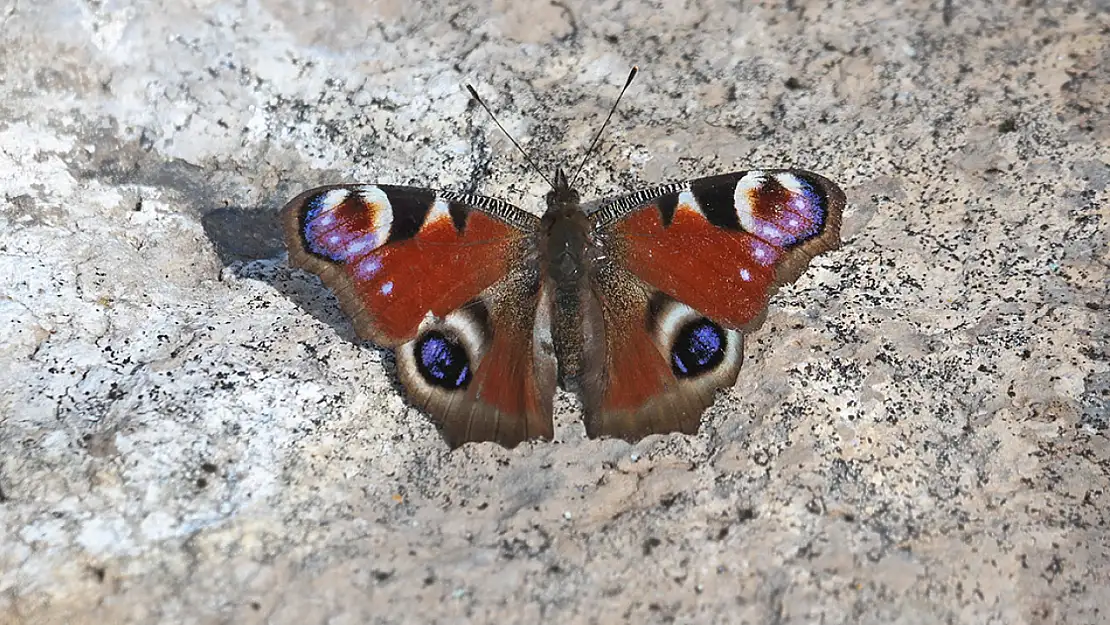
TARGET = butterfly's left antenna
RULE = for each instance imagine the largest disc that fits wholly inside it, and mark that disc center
(590, 150)
(477, 98)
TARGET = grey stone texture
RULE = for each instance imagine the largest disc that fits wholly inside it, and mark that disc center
(190, 432)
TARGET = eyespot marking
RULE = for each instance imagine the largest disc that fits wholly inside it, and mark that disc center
(442, 361)
(783, 208)
(341, 225)
(699, 347)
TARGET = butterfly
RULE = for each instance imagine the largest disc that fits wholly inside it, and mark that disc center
(640, 306)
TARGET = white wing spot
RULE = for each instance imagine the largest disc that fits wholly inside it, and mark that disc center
(686, 199)
(745, 275)
(742, 198)
(329, 202)
(762, 253)
(440, 210)
(368, 267)
(387, 288)
(377, 202)
(790, 182)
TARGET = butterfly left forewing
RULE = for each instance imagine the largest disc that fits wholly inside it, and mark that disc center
(448, 280)
(391, 253)
(701, 260)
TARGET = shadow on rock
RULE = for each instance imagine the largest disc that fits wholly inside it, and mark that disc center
(249, 241)
(244, 234)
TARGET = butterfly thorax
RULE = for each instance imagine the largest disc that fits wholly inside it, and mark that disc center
(565, 234)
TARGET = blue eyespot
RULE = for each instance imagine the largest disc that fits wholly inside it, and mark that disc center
(442, 361)
(698, 348)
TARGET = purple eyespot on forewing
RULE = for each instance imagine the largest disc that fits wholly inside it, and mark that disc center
(787, 210)
(805, 212)
(770, 232)
(339, 226)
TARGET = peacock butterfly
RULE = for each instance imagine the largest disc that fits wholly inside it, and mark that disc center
(639, 306)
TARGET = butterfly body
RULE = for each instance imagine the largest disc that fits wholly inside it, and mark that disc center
(569, 256)
(639, 307)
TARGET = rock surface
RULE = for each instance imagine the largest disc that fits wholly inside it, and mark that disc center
(190, 432)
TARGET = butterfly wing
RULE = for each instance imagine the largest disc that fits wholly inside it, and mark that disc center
(451, 282)
(687, 269)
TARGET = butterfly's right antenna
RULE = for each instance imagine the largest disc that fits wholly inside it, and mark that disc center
(590, 150)
(474, 94)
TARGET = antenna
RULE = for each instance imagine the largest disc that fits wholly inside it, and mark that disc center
(590, 150)
(474, 94)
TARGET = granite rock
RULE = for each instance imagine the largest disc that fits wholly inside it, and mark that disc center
(191, 433)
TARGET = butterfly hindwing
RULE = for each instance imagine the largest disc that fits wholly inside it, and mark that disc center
(451, 282)
(660, 365)
(700, 260)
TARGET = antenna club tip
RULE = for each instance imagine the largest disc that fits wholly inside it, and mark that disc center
(631, 75)
(472, 90)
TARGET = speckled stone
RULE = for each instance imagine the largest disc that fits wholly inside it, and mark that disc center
(190, 433)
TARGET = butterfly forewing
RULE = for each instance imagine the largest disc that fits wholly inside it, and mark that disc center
(723, 244)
